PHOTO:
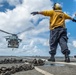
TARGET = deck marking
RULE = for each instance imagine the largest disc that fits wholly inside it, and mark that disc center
(43, 71)
(65, 63)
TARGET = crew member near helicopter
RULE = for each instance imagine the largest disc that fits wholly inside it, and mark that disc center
(58, 31)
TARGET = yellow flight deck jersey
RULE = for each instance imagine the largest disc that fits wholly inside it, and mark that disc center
(57, 18)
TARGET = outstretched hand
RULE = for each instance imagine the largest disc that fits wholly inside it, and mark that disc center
(34, 13)
(74, 20)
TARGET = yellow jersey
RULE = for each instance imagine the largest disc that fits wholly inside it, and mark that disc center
(57, 18)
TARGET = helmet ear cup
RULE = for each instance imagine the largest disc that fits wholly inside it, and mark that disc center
(54, 6)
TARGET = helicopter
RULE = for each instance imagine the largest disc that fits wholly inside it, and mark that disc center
(13, 40)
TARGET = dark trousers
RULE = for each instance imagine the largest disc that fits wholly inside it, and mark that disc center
(58, 36)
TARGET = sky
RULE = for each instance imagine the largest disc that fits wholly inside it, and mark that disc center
(15, 17)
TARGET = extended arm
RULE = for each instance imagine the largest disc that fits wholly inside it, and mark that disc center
(68, 17)
(45, 13)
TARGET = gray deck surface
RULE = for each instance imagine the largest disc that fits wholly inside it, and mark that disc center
(55, 69)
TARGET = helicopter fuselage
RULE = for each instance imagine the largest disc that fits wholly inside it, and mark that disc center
(13, 41)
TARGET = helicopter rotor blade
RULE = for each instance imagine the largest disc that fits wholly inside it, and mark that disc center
(30, 28)
(6, 36)
(5, 32)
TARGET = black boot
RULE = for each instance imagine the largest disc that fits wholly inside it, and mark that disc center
(52, 58)
(67, 58)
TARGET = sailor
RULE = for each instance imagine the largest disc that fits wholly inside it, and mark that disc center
(58, 31)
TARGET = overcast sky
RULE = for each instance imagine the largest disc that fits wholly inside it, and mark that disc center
(15, 17)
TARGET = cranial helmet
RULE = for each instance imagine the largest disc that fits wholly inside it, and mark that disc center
(57, 6)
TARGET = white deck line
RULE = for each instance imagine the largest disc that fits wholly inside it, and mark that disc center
(65, 63)
(43, 71)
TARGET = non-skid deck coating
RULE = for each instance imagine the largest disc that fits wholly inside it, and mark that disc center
(50, 68)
